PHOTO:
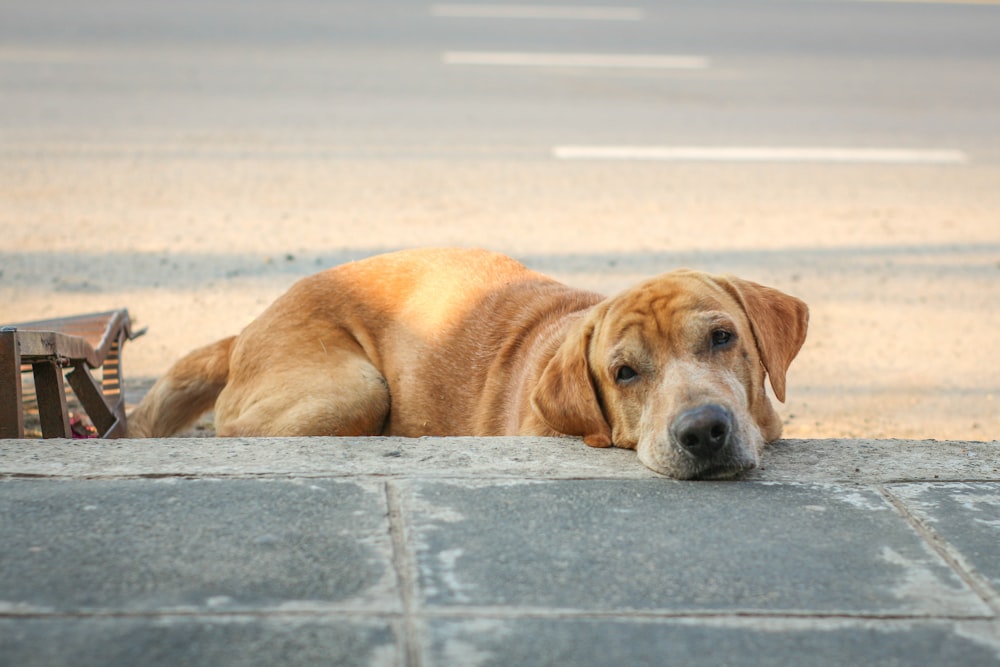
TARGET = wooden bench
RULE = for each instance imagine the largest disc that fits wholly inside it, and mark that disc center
(45, 348)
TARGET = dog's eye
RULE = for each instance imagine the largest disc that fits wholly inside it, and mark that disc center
(721, 338)
(625, 375)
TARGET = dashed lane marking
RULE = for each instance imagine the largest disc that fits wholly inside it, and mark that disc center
(763, 154)
(580, 60)
(560, 12)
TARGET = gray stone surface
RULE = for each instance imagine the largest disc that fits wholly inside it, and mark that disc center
(470, 551)
(173, 545)
(854, 461)
(697, 643)
(964, 514)
(171, 641)
(656, 545)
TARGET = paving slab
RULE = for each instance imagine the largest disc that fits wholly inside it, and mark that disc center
(708, 643)
(658, 545)
(171, 641)
(467, 551)
(183, 545)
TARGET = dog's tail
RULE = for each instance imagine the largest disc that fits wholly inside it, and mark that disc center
(188, 389)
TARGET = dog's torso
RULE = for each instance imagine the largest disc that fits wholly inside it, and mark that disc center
(458, 335)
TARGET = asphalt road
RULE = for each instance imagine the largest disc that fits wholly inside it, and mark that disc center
(189, 160)
(361, 78)
(353, 78)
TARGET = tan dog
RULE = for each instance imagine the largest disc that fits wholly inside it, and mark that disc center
(467, 342)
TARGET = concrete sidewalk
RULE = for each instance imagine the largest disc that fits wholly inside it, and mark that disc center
(494, 551)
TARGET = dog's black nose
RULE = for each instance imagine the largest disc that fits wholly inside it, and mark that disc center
(703, 431)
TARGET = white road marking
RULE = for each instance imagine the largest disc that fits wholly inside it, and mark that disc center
(563, 12)
(936, 2)
(610, 60)
(762, 154)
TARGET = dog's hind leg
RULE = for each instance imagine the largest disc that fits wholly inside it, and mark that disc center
(344, 396)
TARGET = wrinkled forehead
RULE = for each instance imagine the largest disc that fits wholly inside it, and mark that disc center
(668, 307)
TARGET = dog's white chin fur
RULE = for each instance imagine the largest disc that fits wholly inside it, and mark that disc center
(667, 459)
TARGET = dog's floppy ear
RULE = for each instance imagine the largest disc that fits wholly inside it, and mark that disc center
(779, 324)
(565, 397)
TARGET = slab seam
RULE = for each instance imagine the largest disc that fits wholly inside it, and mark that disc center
(748, 616)
(509, 612)
(946, 551)
(405, 577)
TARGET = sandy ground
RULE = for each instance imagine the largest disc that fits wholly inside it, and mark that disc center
(900, 265)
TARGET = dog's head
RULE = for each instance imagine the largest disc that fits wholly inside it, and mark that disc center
(674, 368)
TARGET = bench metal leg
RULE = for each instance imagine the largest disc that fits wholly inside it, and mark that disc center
(94, 403)
(11, 410)
(51, 392)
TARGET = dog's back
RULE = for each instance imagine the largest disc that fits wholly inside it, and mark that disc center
(418, 342)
